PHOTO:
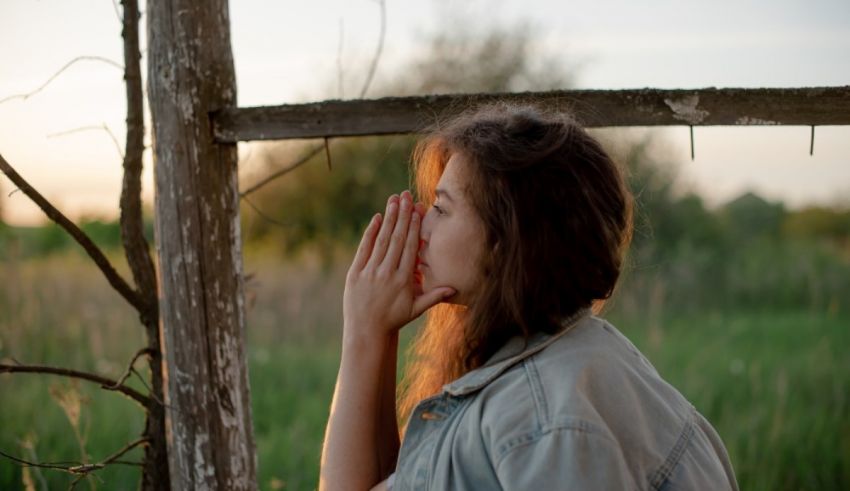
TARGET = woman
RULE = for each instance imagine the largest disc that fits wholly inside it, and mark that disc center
(512, 383)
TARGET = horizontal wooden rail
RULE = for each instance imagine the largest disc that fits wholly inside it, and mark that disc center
(809, 106)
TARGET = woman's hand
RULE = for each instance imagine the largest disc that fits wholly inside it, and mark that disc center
(381, 295)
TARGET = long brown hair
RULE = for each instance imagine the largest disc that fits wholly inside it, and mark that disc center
(557, 217)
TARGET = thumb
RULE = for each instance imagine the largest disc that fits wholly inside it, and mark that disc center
(428, 300)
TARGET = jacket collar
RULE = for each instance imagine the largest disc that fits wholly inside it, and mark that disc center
(514, 351)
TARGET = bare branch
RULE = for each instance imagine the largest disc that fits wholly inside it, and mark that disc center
(102, 127)
(264, 216)
(339, 72)
(130, 446)
(130, 369)
(137, 252)
(53, 77)
(81, 470)
(93, 251)
(136, 246)
(294, 165)
(378, 50)
(372, 68)
(104, 382)
(43, 465)
(117, 11)
(328, 153)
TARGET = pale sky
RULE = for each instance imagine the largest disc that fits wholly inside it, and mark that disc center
(286, 51)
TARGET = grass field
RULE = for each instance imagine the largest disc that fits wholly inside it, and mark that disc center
(774, 383)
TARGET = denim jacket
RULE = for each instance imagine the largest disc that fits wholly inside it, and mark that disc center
(580, 409)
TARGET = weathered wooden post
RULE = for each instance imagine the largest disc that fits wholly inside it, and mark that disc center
(202, 316)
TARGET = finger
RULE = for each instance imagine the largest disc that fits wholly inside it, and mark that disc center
(366, 243)
(383, 239)
(420, 208)
(400, 232)
(428, 300)
(411, 245)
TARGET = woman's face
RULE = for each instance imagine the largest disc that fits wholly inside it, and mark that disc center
(452, 237)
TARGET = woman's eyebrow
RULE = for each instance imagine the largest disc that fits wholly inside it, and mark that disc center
(443, 192)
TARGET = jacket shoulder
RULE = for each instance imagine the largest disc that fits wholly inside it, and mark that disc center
(588, 388)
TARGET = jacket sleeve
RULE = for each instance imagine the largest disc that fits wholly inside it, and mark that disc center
(562, 458)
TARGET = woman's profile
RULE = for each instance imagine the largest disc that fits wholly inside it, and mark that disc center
(518, 235)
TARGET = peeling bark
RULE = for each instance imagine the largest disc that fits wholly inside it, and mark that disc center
(202, 315)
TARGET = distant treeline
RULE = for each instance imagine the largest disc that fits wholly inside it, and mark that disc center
(750, 252)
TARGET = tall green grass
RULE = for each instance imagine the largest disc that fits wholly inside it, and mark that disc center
(775, 383)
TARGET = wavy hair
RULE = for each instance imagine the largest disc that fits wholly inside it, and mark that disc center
(557, 217)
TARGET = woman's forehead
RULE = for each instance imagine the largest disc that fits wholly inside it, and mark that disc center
(454, 176)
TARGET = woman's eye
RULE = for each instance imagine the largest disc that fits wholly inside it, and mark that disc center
(439, 210)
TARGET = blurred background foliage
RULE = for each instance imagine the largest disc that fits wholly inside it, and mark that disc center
(742, 306)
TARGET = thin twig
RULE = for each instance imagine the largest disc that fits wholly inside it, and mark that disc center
(130, 446)
(75, 481)
(104, 382)
(44, 465)
(294, 165)
(53, 77)
(117, 12)
(81, 470)
(266, 217)
(366, 84)
(328, 153)
(378, 50)
(103, 127)
(152, 394)
(29, 445)
(247, 157)
(84, 240)
(339, 72)
(126, 375)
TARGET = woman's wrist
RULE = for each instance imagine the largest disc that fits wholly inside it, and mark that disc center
(366, 342)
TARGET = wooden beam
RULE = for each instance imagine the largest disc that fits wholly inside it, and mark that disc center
(198, 243)
(594, 108)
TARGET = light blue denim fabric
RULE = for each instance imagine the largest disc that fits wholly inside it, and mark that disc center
(581, 409)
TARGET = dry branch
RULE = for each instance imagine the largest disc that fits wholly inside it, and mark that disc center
(289, 168)
(316, 149)
(105, 382)
(130, 369)
(136, 245)
(93, 251)
(59, 72)
(378, 50)
(594, 108)
(103, 127)
(155, 472)
(81, 470)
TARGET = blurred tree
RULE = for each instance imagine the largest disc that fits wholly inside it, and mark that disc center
(465, 56)
(750, 217)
